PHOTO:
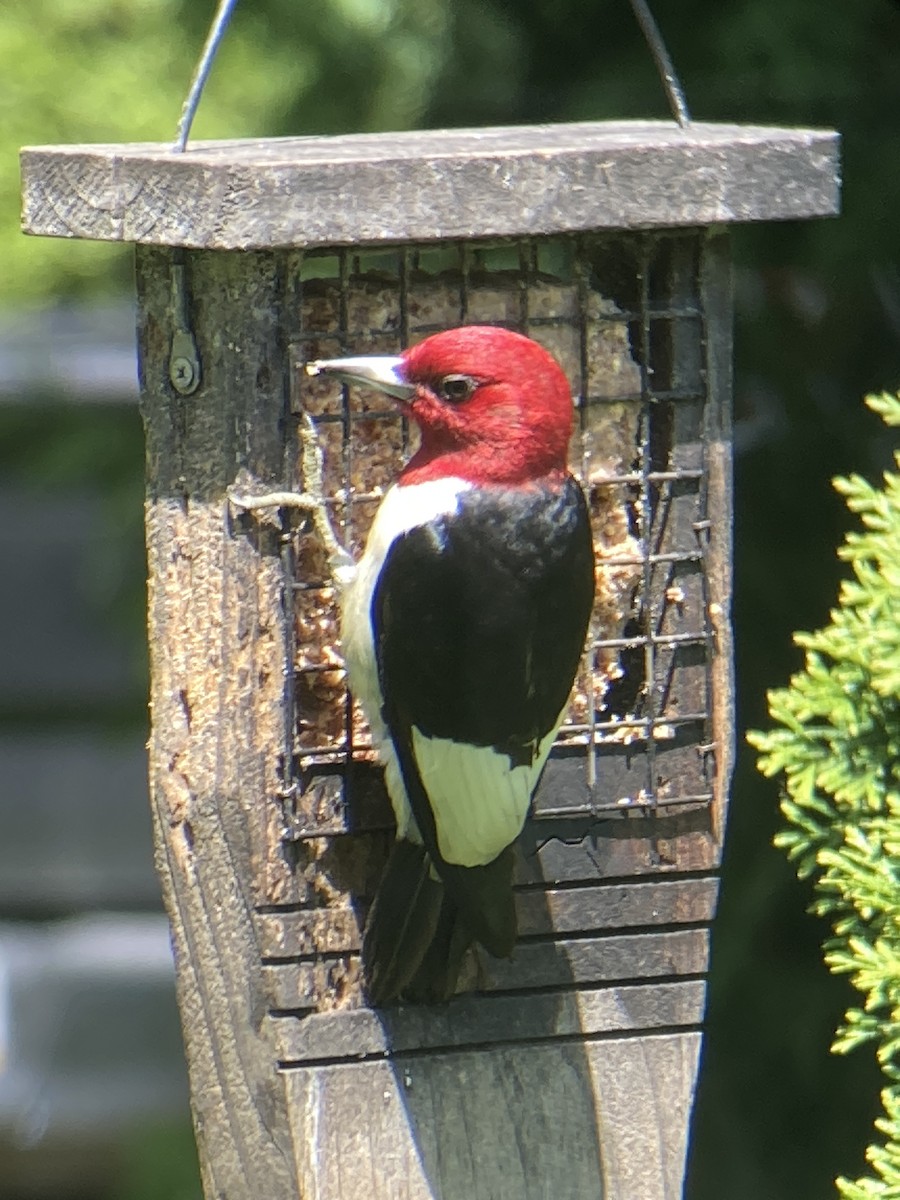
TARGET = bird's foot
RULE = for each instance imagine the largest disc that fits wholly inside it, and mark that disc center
(311, 500)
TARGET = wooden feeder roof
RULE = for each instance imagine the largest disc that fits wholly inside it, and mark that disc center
(423, 186)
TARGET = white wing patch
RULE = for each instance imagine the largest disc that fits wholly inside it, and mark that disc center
(479, 802)
(403, 508)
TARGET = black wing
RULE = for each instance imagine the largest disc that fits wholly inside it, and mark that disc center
(479, 621)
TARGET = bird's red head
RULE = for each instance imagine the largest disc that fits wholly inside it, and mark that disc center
(492, 405)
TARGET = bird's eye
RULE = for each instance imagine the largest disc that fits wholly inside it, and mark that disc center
(456, 388)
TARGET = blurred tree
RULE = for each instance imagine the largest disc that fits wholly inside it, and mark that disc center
(835, 746)
(160, 1163)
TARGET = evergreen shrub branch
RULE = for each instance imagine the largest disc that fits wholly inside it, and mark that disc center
(836, 744)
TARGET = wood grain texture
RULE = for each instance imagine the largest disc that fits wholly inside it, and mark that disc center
(489, 1020)
(383, 188)
(560, 963)
(603, 1120)
(217, 668)
(716, 283)
(307, 933)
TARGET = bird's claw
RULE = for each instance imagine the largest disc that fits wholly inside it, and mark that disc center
(311, 501)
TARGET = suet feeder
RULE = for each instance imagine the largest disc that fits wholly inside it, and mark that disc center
(570, 1069)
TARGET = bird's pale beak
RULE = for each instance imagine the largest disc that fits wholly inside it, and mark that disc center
(381, 371)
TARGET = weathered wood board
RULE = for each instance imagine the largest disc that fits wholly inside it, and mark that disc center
(549, 1122)
(394, 187)
(216, 690)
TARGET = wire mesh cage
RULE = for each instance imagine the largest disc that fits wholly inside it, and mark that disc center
(625, 315)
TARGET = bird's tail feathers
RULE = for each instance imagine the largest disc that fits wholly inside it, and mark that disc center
(436, 978)
(485, 900)
(402, 922)
(420, 927)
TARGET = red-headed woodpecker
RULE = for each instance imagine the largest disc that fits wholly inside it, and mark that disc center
(462, 628)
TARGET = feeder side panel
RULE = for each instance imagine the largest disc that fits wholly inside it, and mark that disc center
(427, 1127)
(216, 694)
(717, 291)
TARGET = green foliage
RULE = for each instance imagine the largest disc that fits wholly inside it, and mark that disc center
(159, 1160)
(118, 70)
(837, 745)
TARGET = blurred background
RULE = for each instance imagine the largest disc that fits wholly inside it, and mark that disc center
(93, 1099)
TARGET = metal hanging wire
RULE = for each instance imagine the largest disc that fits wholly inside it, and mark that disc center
(214, 38)
(670, 81)
(644, 17)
